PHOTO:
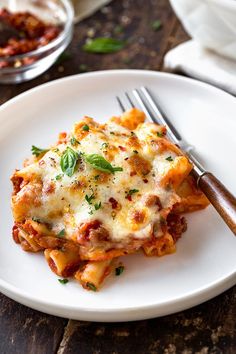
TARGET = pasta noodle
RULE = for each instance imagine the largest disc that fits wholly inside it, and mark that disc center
(101, 192)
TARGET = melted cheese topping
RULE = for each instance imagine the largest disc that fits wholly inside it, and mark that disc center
(118, 200)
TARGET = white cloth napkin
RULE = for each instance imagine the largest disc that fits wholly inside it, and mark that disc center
(203, 64)
(85, 8)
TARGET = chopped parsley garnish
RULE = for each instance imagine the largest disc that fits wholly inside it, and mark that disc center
(68, 161)
(105, 145)
(34, 218)
(85, 128)
(98, 162)
(156, 25)
(89, 198)
(160, 135)
(132, 191)
(61, 233)
(169, 158)
(112, 133)
(103, 45)
(59, 177)
(74, 141)
(97, 206)
(119, 270)
(91, 286)
(90, 212)
(38, 151)
(96, 177)
(135, 151)
(63, 281)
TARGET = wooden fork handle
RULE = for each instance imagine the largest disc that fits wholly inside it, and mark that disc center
(221, 199)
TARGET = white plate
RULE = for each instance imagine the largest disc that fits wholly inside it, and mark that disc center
(204, 264)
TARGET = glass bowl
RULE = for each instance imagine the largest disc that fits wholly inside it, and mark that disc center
(56, 12)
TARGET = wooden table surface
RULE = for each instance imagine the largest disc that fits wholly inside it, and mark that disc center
(208, 328)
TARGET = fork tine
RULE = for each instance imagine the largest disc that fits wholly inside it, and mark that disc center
(120, 104)
(160, 114)
(141, 103)
(152, 111)
(129, 100)
(149, 99)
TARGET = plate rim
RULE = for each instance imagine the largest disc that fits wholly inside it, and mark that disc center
(124, 314)
(117, 72)
(132, 312)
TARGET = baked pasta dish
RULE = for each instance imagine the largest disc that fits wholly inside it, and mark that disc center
(101, 192)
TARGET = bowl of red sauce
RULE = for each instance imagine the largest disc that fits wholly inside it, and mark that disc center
(33, 33)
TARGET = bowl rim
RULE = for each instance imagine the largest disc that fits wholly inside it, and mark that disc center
(54, 43)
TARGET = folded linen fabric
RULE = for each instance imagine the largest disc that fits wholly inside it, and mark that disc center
(203, 64)
(85, 8)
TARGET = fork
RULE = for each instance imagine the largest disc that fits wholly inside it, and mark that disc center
(218, 195)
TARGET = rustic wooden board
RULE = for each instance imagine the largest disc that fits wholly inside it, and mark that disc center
(134, 19)
(23, 330)
(208, 328)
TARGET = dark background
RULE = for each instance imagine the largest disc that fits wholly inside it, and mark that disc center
(208, 328)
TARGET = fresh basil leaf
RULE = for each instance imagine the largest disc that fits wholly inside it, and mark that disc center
(98, 162)
(117, 169)
(68, 161)
(38, 151)
(103, 45)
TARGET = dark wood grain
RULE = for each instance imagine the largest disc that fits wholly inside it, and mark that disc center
(205, 329)
(145, 48)
(23, 330)
(220, 197)
(209, 328)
